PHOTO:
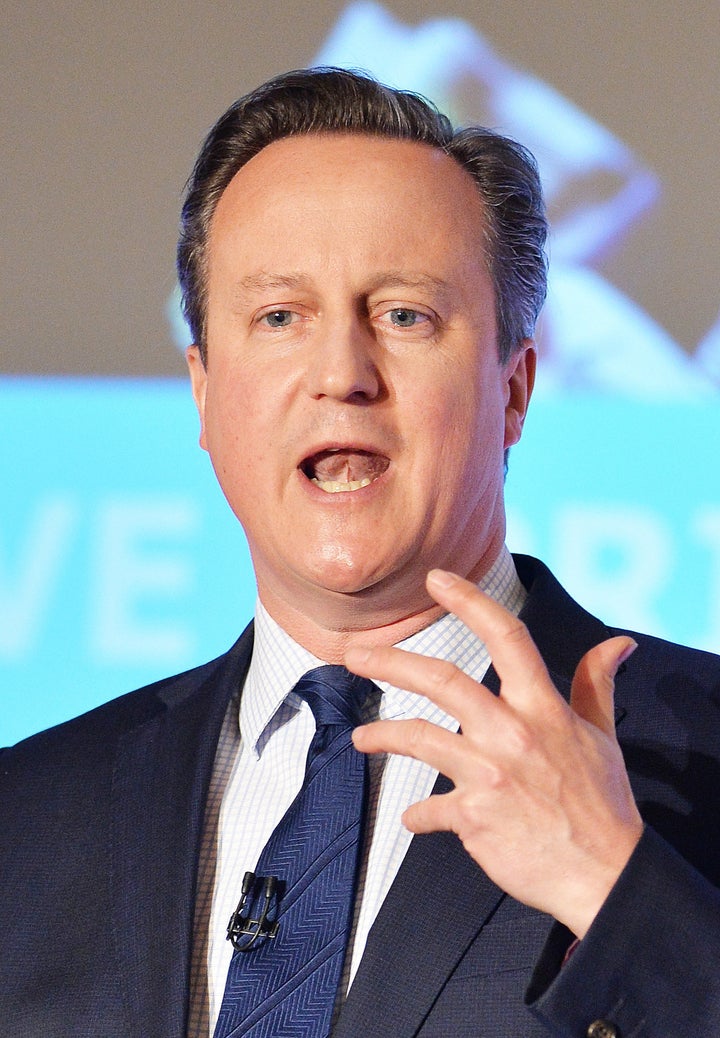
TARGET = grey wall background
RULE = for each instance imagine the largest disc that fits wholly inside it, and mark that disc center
(104, 107)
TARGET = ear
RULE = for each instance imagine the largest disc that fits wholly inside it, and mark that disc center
(198, 383)
(519, 376)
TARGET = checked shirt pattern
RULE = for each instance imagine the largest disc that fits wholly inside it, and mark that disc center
(285, 987)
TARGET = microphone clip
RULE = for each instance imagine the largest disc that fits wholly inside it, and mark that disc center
(243, 931)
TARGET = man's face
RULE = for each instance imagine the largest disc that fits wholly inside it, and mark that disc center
(353, 404)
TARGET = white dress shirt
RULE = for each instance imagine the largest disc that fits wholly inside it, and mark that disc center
(259, 769)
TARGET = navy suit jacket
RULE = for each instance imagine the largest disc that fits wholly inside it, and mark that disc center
(100, 823)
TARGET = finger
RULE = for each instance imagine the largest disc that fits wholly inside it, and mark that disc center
(415, 738)
(438, 680)
(593, 689)
(432, 815)
(512, 650)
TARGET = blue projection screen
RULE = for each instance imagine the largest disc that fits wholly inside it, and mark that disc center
(120, 561)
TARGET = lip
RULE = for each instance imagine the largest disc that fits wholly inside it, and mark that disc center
(334, 446)
(361, 446)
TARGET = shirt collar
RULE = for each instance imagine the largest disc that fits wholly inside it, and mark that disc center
(278, 662)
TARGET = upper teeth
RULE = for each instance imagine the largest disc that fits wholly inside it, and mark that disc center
(336, 486)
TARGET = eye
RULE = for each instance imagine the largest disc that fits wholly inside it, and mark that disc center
(407, 319)
(403, 317)
(279, 318)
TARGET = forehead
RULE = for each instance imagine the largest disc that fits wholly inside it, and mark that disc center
(334, 157)
(341, 191)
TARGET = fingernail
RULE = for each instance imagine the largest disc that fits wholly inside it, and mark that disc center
(619, 664)
(442, 578)
(627, 653)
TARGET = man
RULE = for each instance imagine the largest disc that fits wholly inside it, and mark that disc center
(362, 285)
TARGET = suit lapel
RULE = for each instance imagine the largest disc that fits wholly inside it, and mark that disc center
(562, 630)
(162, 772)
(438, 903)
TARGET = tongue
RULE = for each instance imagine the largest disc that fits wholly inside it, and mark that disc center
(347, 466)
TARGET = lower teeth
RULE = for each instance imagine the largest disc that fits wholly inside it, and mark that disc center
(334, 486)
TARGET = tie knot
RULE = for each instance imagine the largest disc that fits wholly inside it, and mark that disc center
(334, 695)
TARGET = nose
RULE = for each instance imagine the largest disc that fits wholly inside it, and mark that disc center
(342, 362)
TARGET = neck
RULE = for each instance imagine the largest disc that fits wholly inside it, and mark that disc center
(331, 644)
(330, 625)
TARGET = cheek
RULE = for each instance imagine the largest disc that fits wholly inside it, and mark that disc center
(241, 439)
(443, 437)
(467, 440)
(228, 408)
(224, 431)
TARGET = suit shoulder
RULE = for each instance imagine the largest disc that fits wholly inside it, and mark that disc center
(563, 631)
(664, 658)
(134, 708)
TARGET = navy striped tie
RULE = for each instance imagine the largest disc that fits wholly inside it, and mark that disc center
(285, 985)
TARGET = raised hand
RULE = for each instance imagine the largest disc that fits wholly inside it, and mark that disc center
(542, 800)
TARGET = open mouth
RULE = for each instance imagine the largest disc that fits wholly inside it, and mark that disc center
(339, 471)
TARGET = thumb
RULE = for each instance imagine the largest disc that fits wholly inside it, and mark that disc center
(593, 687)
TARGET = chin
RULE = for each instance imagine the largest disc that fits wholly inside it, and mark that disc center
(343, 583)
(345, 573)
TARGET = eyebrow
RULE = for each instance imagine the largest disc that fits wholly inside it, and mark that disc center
(439, 290)
(403, 279)
(263, 280)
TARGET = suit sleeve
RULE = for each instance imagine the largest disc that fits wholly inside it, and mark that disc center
(648, 966)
